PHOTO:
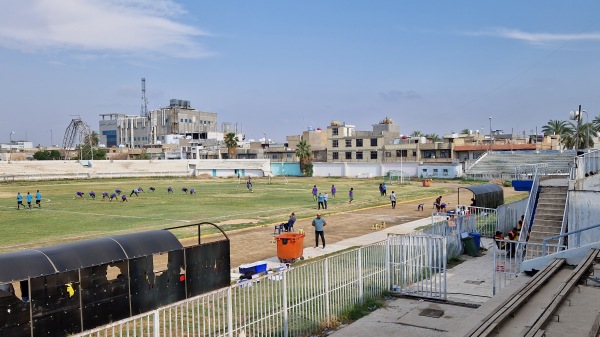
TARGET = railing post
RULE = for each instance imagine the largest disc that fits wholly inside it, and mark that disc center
(229, 312)
(285, 304)
(544, 247)
(360, 276)
(578, 239)
(388, 277)
(326, 274)
(156, 323)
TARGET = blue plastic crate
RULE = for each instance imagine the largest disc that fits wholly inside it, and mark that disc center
(253, 268)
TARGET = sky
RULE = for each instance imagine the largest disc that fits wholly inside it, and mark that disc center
(280, 67)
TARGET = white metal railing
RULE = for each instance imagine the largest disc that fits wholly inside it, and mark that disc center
(563, 225)
(508, 256)
(586, 164)
(300, 300)
(531, 204)
(528, 171)
(292, 302)
(418, 265)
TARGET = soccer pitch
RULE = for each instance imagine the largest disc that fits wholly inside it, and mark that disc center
(66, 217)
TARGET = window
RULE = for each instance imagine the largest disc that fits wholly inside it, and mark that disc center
(373, 154)
(334, 131)
(435, 171)
(359, 143)
(335, 155)
(335, 143)
(414, 153)
(348, 142)
(401, 153)
(348, 155)
(373, 141)
(388, 154)
(359, 155)
(445, 171)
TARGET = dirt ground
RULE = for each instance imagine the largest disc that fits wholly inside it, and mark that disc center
(254, 244)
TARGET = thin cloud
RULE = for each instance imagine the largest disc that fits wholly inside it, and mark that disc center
(397, 95)
(535, 38)
(124, 27)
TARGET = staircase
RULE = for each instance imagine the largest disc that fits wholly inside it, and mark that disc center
(548, 217)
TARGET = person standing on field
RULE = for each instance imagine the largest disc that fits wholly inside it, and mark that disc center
(320, 201)
(393, 199)
(29, 199)
(319, 224)
(314, 192)
(333, 190)
(351, 195)
(38, 199)
(19, 200)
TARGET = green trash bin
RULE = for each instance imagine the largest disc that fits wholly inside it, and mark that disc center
(469, 246)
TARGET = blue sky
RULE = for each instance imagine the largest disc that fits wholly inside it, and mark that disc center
(282, 66)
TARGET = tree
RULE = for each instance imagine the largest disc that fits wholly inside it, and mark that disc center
(465, 131)
(556, 127)
(47, 155)
(304, 155)
(417, 134)
(433, 137)
(587, 132)
(231, 141)
(86, 153)
(93, 137)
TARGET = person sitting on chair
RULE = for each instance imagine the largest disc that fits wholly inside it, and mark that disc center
(289, 226)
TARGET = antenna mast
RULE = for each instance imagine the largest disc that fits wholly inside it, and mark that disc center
(144, 100)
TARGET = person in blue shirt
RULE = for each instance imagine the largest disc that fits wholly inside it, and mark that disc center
(289, 226)
(319, 224)
(38, 199)
(320, 201)
(92, 195)
(19, 200)
(29, 199)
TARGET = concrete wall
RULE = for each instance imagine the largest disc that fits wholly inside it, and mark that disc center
(584, 207)
(284, 168)
(375, 169)
(362, 170)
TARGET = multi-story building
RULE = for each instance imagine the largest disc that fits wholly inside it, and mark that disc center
(160, 126)
(345, 144)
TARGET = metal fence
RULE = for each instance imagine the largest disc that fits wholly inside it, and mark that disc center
(418, 265)
(450, 226)
(508, 256)
(292, 302)
(300, 300)
(586, 164)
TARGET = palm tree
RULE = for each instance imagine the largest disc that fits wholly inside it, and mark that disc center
(596, 123)
(92, 138)
(231, 141)
(587, 132)
(417, 134)
(303, 152)
(433, 137)
(556, 127)
(465, 131)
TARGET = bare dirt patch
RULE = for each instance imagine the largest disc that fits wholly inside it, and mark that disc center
(255, 243)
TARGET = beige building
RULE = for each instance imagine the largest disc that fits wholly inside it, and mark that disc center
(345, 144)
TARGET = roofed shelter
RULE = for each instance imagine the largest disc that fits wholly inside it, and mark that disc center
(488, 195)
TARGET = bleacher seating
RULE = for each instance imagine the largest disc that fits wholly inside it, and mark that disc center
(502, 164)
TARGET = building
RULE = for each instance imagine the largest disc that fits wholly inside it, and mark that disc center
(345, 144)
(164, 125)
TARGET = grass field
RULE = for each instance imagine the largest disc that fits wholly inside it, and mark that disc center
(65, 217)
